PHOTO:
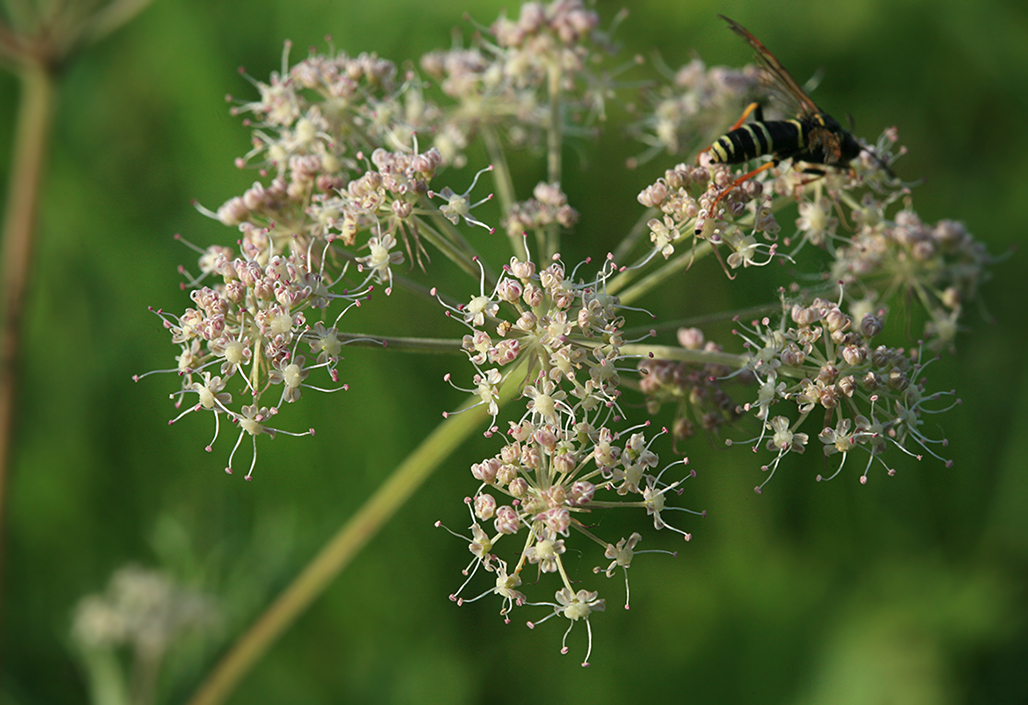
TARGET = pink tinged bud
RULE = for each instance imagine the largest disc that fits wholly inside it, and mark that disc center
(847, 385)
(485, 507)
(526, 321)
(506, 521)
(264, 290)
(581, 493)
(506, 473)
(829, 397)
(485, 472)
(545, 437)
(828, 374)
(871, 382)
(870, 326)
(510, 453)
(800, 315)
(522, 270)
(563, 298)
(897, 381)
(881, 356)
(518, 487)
(427, 162)
(854, 354)
(530, 458)
(792, 355)
(552, 276)
(235, 292)
(509, 290)
(836, 320)
(653, 195)
(556, 496)
(557, 520)
(233, 212)
(505, 352)
(564, 462)
(533, 295)
(690, 338)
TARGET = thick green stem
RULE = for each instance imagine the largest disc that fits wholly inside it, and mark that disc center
(31, 144)
(336, 555)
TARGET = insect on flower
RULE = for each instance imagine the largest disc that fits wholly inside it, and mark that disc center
(813, 136)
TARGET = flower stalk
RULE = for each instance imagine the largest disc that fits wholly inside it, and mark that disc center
(339, 552)
(31, 146)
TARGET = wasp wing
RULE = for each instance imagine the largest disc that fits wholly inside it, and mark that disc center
(779, 81)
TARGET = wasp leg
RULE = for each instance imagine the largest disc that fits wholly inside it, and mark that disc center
(746, 113)
(742, 179)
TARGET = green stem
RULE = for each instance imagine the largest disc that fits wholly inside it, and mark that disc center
(554, 142)
(700, 357)
(406, 344)
(683, 260)
(336, 555)
(31, 144)
(460, 253)
(504, 186)
(501, 169)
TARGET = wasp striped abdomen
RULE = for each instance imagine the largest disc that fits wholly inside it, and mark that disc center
(777, 137)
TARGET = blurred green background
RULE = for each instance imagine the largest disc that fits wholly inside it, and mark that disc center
(907, 590)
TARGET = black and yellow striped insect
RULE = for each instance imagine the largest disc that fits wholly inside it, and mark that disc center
(813, 136)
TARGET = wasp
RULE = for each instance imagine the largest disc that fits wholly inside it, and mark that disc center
(813, 136)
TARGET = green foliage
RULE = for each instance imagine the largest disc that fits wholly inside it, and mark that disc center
(909, 589)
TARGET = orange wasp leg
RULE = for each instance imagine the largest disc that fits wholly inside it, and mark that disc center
(741, 179)
(745, 114)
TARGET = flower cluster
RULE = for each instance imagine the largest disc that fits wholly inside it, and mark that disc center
(143, 609)
(827, 366)
(549, 206)
(349, 192)
(249, 328)
(940, 266)
(508, 86)
(357, 161)
(562, 337)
